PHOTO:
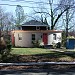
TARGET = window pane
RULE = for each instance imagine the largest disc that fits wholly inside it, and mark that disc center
(33, 36)
(54, 36)
(20, 36)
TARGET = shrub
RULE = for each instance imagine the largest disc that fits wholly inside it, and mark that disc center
(5, 48)
(9, 46)
(38, 43)
(64, 39)
(35, 43)
(2, 45)
(54, 45)
(58, 45)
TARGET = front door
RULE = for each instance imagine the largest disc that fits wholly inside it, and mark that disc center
(45, 38)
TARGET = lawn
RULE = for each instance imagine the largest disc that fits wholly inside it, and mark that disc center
(40, 54)
(29, 51)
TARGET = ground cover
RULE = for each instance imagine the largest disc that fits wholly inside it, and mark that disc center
(40, 55)
(20, 55)
(29, 51)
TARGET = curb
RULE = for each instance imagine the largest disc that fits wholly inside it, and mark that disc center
(37, 63)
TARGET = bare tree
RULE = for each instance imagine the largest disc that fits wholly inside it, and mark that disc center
(19, 16)
(54, 12)
(1, 21)
(8, 21)
(69, 18)
(2, 16)
(38, 13)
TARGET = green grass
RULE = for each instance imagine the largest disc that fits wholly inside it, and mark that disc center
(29, 51)
(43, 54)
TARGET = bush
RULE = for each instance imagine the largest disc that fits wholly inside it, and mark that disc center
(35, 43)
(2, 45)
(5, 48)
(64, 39)
(58, 45)
(9, 47)
(54, 45)
(38, 43)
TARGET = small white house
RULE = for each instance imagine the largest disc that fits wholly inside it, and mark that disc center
(21, 38)
(35, 31)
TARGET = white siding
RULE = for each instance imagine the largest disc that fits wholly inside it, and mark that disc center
(25, 42)
(58, 38)
(50, 39)
(26, 39)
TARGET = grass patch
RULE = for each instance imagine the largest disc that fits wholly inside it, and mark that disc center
(29, 51)
(65, 58)
(40, 55)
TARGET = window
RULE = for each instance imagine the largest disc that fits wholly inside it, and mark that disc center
(19, 36)
(41, 36)
(37, 28)
(33, 37)
(54, 36)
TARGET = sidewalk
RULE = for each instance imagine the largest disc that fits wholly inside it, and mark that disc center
(61, 50)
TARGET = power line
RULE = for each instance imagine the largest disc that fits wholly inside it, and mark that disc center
(34, 2)
(31, 2)
(36, 7)
(24, 6)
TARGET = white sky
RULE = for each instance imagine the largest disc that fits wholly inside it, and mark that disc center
(12, 8)
(29, 3)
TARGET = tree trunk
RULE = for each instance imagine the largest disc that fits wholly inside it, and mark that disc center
(67, 20)
(0, 37)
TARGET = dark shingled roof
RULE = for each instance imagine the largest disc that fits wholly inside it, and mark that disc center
(34, 23)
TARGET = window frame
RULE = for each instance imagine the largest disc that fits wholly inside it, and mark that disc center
(20, 37)
(37, 28)
(33, 37)
(54, 37)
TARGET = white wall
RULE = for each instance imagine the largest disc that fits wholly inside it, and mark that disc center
(58, 37)
(51, 39)
(26, 39)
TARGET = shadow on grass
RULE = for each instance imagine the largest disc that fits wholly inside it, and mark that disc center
(46, 57)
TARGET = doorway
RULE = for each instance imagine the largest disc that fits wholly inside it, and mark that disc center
(45, 38)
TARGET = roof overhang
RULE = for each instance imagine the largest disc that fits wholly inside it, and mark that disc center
(35, 25)
(41, 31)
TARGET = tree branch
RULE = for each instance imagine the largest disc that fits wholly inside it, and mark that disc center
(60, 16)
(43, 12)
(70, 27)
